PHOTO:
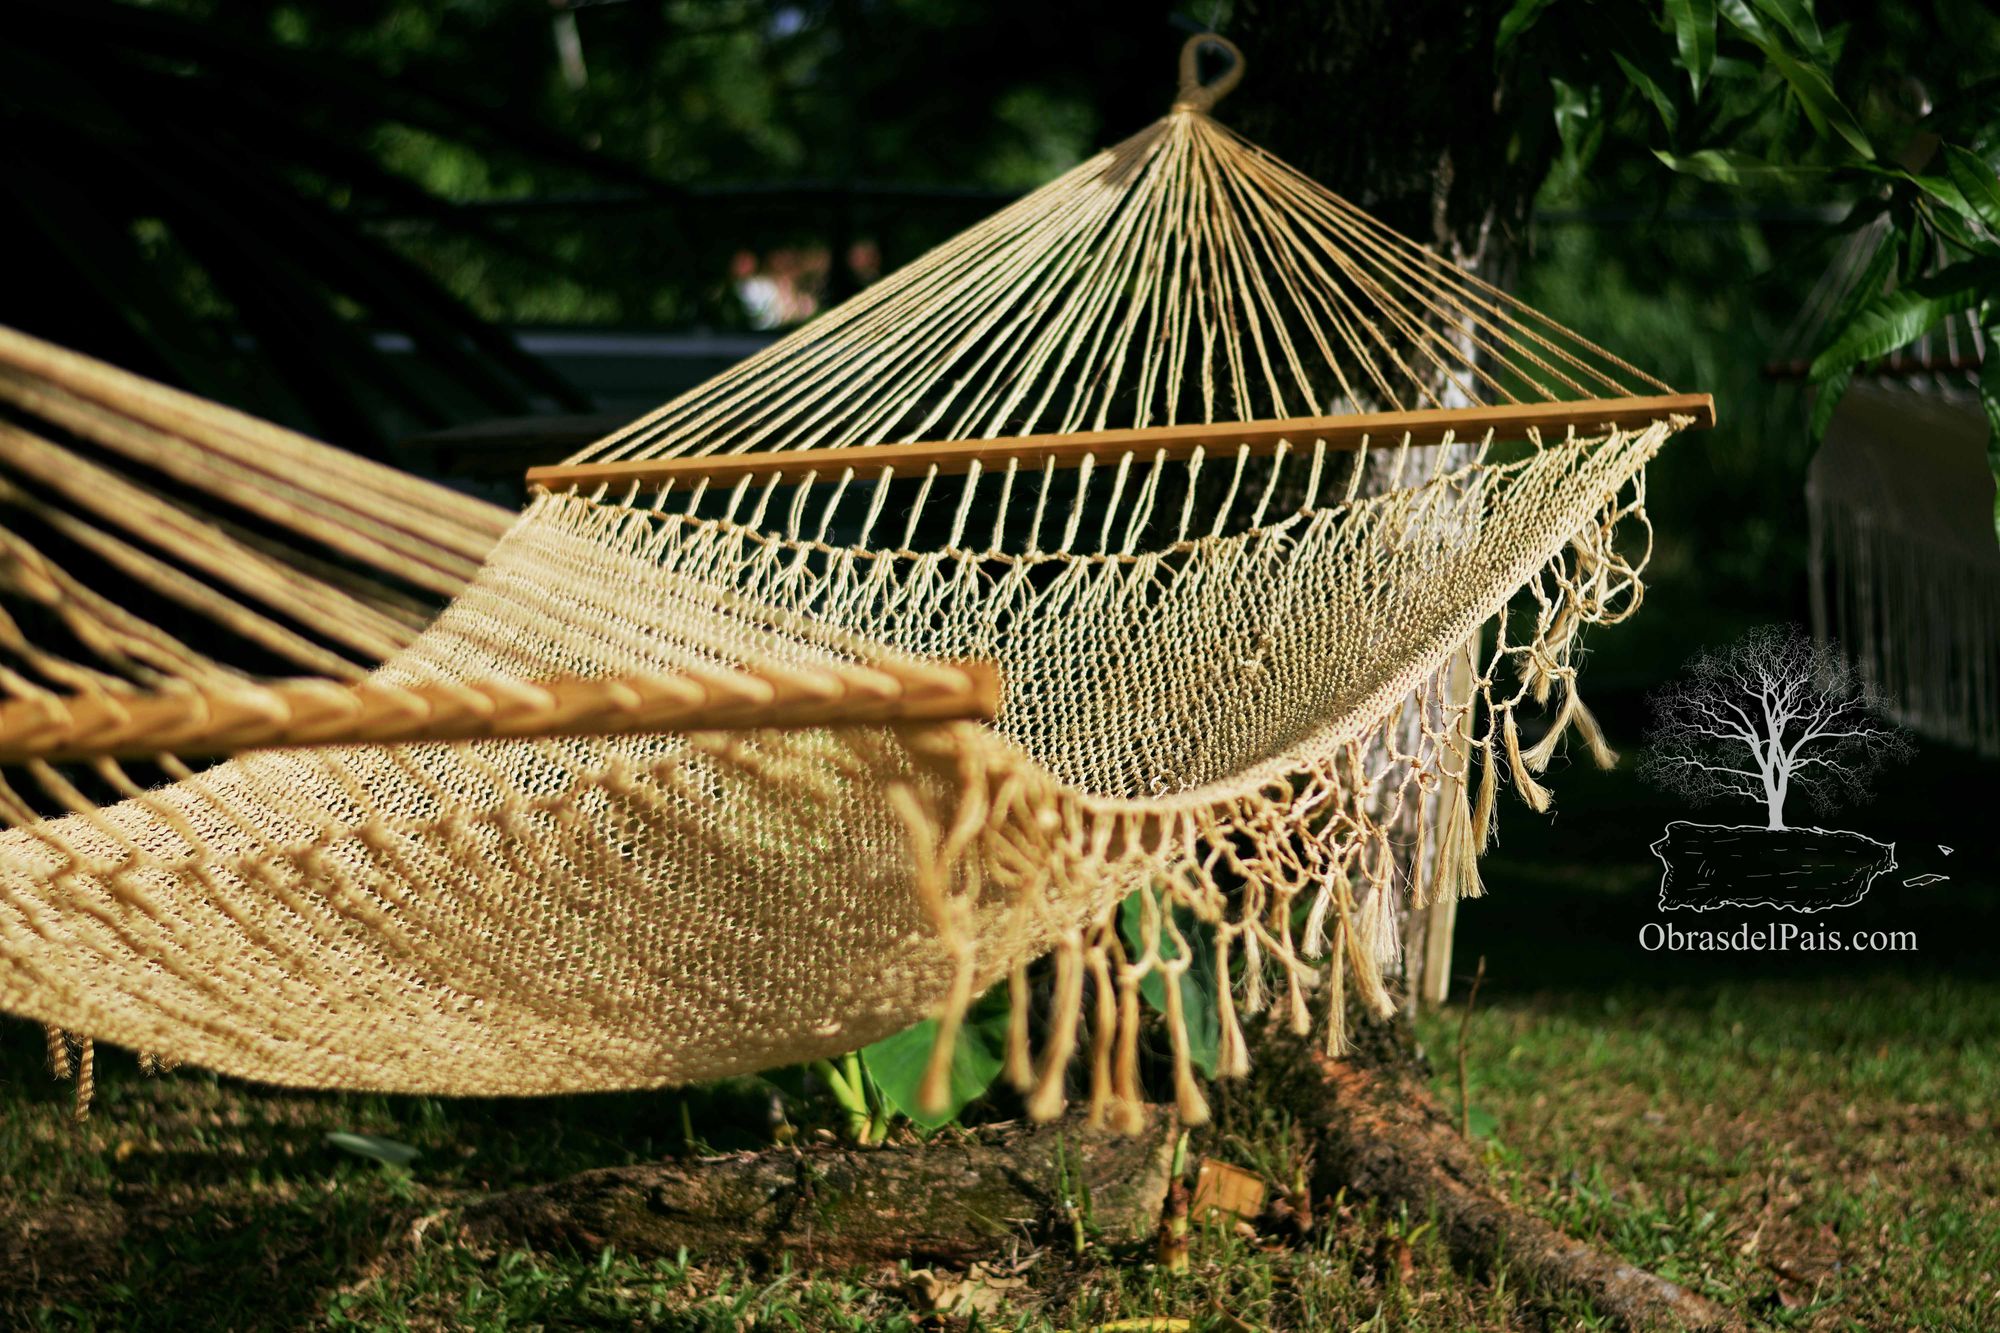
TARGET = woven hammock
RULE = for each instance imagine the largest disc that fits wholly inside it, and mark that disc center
(1223, 476)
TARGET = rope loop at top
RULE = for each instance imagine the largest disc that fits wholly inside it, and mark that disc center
(1194, 94)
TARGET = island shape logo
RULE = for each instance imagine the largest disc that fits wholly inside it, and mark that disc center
(1747, 865)
(1772, 716)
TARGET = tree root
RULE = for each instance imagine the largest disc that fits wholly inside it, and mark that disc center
(1376, 1132)
(1381, 1135)
(952, 1199)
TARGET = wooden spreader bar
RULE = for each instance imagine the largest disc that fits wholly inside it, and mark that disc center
(1387, 429)
(229, 720)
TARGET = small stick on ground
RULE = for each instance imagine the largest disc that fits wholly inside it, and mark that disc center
(1464, 1024)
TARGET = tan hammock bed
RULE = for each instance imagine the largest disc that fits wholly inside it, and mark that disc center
(1217, 477)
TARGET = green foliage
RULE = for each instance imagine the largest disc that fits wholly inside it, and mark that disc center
(1977, 185)
(897, 1064)
(180, 184)
(389, 1152)
(1727, 166)
(1779, 110)
(1898, 317)
(1694, 34)
(1197, 983)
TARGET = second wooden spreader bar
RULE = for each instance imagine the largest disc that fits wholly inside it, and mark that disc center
(1432, 426)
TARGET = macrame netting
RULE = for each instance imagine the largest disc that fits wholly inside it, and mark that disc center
(1230, 683)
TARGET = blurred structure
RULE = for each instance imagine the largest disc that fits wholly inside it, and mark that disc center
(1904, 563)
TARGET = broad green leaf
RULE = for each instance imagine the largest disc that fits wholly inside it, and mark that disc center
(1865, 290)
(1727, 166)
(1694, 34)
(1823, 107)
(1898, 317)
(1204, 1026)
(897, 1063)
(1744, 21)
(386, 1151)
(1939, 188)
(1826, 398)
(1977, 182)
(1959, 229)
(1796, 18)
(1735, 69)
(1579, 120)
(1518, 20)
(1655, 94)
(1874, 277)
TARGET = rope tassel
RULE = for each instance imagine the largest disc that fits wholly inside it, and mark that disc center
(1533, 792)
(1489, 791)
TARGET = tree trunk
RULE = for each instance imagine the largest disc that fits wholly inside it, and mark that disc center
(952, 1199)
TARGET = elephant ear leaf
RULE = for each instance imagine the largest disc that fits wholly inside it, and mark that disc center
(897, 1063)
(1197, 983)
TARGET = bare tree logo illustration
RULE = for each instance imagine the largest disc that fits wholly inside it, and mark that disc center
(1771, 719)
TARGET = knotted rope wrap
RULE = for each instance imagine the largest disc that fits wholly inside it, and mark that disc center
(1228, 685)
(1195, 95)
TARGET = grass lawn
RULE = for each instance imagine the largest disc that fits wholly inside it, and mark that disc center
(1810, 1138)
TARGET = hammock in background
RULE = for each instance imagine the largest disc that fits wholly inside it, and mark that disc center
(1223, 476)
(1904, 562)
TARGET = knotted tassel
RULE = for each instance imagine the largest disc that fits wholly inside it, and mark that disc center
(1420, 855)
(1315, 936)
(1233, 1055)
(59, 1064)
(1533, 792)
(1253, 973)
(1046, 1102)
(1489, 791)
(1103, 1035)
(1192, 1106)
(86, 1078)
(1336, 1001)
(934, 1092)
(1019, 1066)
(1593, 734)
(1537, 758)
(1127, 1113)
(1366, 972)
(1455, 873)
(1295, 994)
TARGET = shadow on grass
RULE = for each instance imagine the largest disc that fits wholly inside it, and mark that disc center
(193, 1201)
